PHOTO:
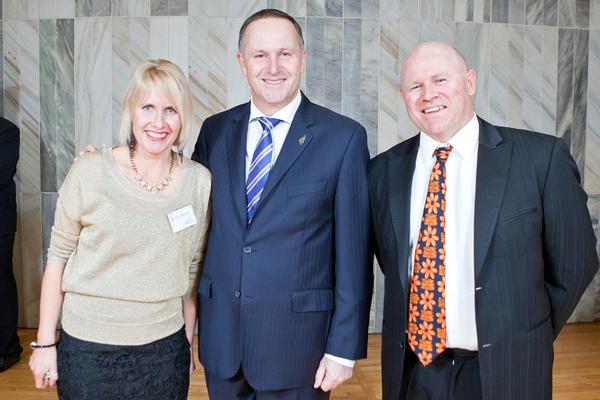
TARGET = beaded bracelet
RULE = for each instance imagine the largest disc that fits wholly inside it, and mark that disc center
(34, 345)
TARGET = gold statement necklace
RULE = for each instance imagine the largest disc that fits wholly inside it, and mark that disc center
(140, 180)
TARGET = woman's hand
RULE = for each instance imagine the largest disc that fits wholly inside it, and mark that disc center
(43, 366)
(192, 363)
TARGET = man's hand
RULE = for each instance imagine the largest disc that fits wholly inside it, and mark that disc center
(331, 374)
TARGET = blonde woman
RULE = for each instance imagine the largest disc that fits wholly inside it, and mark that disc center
(126, 249)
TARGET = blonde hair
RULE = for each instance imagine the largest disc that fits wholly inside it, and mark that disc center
(171, 82)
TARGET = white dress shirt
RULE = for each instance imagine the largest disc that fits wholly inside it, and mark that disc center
(278, 135)
(461, 170)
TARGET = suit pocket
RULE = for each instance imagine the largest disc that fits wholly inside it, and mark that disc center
(516, 214)
(306, 188)
(312, 300)
(205, 287)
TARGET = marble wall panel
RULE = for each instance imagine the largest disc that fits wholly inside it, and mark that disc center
(361, 8)
(12, 75)
(398, 9)
(516, 12)
(130, 47)
(442, 31)
(533, 81)
(437, 9)
(566, 13)
(594, 13)
(582, 13)
(534, 12)
(29, 164)
(473, 41)
(463, 10)
(592, 146)
(564, 103)
(31, 247)
(169, 38)
(92, 8)
(296, 8)
(324, 8)
(57, 119)
(549, 93)
(500, 10)
(130, 8)
(580, 84)
(551, 12)
(481, 10)
(21, 9)
(93, 98)
(53, 9)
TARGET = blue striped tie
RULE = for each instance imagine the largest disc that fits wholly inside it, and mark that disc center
(260, 166)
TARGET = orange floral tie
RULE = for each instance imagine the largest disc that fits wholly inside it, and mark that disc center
(427, 307)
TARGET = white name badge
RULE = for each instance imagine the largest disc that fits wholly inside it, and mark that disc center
(182, 218)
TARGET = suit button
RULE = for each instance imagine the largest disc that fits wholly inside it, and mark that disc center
(237, 293)
(247, 249)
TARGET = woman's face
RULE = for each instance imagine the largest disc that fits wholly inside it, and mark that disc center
(155, 123)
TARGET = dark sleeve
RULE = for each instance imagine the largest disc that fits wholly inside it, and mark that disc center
(570, 256)
(9, 154)
(200, 153)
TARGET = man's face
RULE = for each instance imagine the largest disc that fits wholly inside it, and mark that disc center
(272, 62)
(437, 90)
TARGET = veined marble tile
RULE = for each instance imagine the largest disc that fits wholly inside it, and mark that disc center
(315, 56)
(473, 41)
(398, 39)
(564, 103)
(208, 8)
(437, 9)
(243, 9)
(93, 98)
(130, 47)
(92, 8)
(582, 13)
(361, 8)
(295, 8)
(499, 75)
(159, 7)
(463, 10)
(566, 13)
(29, 161)
(47, 98)
(322, 8)
(169, 38)
(376, 320)
(442, 31)
(237, 87)
(178, 7)
(551, 12)
(360, 75)
(398, 9)
(592, 146)
(549, 91)
(595, 14)
(52, 9)
(533, 81)
(21, 9)
(131, 8)
(534, 12)
(515, 82)
(516, 12)
(580, 84)
(31, 241)
(48, 208)
(499, 10)
(481, 10)
(332, 64)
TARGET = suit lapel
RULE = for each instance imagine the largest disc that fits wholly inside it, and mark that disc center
(401, 170)
(236, 147)
(297, 139)
(493, 163)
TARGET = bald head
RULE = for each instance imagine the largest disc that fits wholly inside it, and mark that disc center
(437, 89)
(438, 50)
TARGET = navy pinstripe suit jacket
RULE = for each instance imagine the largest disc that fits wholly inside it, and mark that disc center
(535, 253)
(296, 283)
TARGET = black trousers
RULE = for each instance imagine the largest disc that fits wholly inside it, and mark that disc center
(238, 388)
(9, 305)
(453, 375)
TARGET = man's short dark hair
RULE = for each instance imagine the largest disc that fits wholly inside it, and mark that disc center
(269, 13)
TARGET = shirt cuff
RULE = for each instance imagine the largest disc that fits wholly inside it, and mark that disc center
(343, 361)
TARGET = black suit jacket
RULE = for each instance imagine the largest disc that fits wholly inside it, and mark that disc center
(9, 155)
(534, 255)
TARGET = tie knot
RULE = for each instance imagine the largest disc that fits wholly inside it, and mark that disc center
(442, 153)
(268, 123)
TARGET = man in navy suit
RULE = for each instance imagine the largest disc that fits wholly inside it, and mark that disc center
(285, 293)
(485, 240)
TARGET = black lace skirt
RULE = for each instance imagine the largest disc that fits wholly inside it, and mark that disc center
(94, 371)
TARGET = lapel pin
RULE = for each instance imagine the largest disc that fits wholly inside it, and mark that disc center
(301, 140)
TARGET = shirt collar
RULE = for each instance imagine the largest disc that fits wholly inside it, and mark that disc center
(464, 142)
(286, 114)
